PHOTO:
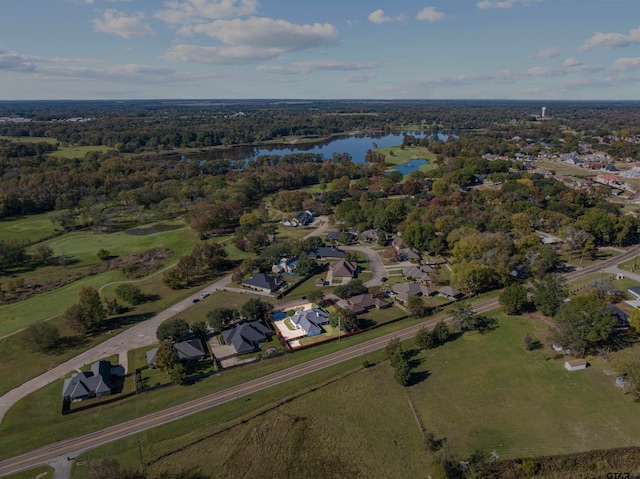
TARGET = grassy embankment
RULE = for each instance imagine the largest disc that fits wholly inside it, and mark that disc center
(479, 392)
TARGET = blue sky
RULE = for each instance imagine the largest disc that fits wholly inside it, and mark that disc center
(320, 49)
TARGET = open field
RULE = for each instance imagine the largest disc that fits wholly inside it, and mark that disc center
(81, 250)
(30, 139)
(70, 152)
(31, 228)
(479, 392)
(44, 472)
(23, 430)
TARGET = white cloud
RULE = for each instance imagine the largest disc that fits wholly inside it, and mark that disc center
(548, 53)
(269, 33)
(571, 62)
(220, 55)
(430, 14)
(303, 68)
(626, 64)
(611, 40)
(357, 78)
(195, 11)
(486, 4)
(379, 17)
(118, 23)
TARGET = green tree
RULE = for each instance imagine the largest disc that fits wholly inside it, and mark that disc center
(102, 254)
(513, 299)
(172, 329)
(441, 333)
(352, 288)
(219, 318)
(178, 374)
(42, 336)
(43, 255)
(634, 320)
(549, 293)
(315, 295)
(424, 339)
(402, 372)
(88, 313)
(166, 356)
(583, 322)
(393, 351)
(130, 293)
(627, 364)
(416, 306)
(255, 309)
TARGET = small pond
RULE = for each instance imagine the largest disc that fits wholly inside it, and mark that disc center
(412, 165)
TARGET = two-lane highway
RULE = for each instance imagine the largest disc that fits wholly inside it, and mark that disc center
(49, 453)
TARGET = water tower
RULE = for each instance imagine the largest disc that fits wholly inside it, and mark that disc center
(544, 109)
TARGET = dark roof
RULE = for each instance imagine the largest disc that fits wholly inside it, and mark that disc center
(450, 292)
(635, 290)
(621, 316)
(335, 235)
(326, 252)
(245, 337)
(263, 281)
(190, 350)
(84, 384)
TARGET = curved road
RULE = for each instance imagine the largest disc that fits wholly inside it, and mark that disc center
(51, 452)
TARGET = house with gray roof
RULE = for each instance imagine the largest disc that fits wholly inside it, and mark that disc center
(191, 350)
(310, 320)
(406, 290)
(450, 293)
(321, 252)
(418, 273)
(263, 282)
(88, 384)
(246, 337)
(336, 235)
(363, 302)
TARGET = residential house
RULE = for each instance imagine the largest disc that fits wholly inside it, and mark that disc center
(450, 293)
(336, 235)
(418, 273)
(635, 291)
(621, 317)
(263, 282)
(343, 268)
(322, 252)
(286, 265)
(246, 337)
(406, 290)
(370, 236)
(610, 180)
(87, 384)
(191, 350)
(310, 320)
(302, 218)
(403, 251)
(363, 303)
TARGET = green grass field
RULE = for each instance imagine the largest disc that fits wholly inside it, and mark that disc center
(479, 392)
(43, 472)
(71, 152)
(30, 228)
(30, 139)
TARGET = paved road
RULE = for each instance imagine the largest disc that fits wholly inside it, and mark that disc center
(138, 336)
(375, 264)
(53, 452)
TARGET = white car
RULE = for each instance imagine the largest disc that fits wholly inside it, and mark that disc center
(204, 295)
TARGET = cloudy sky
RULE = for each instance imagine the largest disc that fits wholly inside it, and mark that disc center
(377, 49)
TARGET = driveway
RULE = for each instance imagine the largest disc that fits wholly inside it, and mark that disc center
(375, 264)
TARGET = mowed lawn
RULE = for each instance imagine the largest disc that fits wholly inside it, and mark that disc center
(82, 247)
(483, 392)
(486, 392)
(30, 228)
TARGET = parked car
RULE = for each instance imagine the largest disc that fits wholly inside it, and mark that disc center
(204, 295)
